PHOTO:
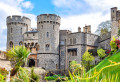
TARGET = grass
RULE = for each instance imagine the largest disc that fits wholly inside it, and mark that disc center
(108, 70)
(114, 59)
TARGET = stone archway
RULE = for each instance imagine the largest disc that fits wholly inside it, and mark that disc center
(31, 63)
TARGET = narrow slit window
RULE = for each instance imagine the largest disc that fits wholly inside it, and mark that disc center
(11, 29)
(47, 34)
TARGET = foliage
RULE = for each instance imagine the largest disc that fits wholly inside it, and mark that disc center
(87, 58)
(104, 27)
(34, 76)
(119, 32)
(3, 71)
(106, 71)
(103, 31)
(21, 76)
(76, 68)
(113, 44)
(54, 77)
(19, 54)
(101, 53)
(2, 78)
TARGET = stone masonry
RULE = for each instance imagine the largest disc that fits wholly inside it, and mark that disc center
(52, 48)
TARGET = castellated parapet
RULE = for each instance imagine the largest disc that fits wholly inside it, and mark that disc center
(48, 38)
(17, 26)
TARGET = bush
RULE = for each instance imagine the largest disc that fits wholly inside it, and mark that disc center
(3, 72)
(87, 58)
(101, 53)
(54, 77)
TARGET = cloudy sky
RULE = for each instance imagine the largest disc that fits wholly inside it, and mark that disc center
(73, 13)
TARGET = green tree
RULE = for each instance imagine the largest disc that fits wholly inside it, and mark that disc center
(87, 58)
(104, 27)
(101, 53)
(19, 55)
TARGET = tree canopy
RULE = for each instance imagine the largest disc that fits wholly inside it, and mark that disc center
(104, 27)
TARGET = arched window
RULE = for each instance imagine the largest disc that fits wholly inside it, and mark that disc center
(32, 44)
(20, 43)
(47, 46)
(47, 34)
(11, 44)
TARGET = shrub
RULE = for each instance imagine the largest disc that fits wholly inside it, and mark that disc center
(3, 72)
(54, 77)
(101, 53)
(87, 58)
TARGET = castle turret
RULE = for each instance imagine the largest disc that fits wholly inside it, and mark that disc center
(16, 27)
(115, 24)
(114, 14)
(48, 33)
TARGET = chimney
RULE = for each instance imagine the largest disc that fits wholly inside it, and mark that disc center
(79, 29)
(87, 29)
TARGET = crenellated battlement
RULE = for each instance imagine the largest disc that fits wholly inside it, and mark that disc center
(16, 19)
(48, 18)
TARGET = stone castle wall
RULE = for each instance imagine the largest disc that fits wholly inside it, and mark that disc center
(48, 61)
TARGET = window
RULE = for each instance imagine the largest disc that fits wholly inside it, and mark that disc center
(11, 29)
(42, 26)
(47, 34)
(53, 27)
(20, 43)
(21, 31)
(27, 35)
(33, 34)
(113, 11)
(11, 44)
(70, 41)
(44, 17)
(47, 46)
(62, 53)
(62, 43)
(74, 41)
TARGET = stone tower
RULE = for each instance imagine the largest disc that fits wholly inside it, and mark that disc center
(48, 38)
(115, 18)
(16, 27)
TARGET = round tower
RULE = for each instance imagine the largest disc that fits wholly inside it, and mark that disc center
(16, 27)
(48, 33)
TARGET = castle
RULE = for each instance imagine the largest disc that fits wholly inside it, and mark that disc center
(52, 48)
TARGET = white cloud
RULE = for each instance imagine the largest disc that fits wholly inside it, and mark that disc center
(93, 19)
(27, 5)
(98, 11)
(33, 19)
(103, 4)
(7, 8)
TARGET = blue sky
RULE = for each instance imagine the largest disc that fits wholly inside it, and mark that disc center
(73, 13)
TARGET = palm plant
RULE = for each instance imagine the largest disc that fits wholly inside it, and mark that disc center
(19, 55)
